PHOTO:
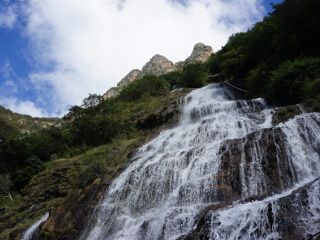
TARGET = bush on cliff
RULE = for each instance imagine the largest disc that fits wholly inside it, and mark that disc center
(149, 85)
(193, 76)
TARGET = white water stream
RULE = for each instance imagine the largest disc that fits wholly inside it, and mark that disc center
(173, 177)
(30, 232)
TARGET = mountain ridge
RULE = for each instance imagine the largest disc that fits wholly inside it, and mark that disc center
(159, 65)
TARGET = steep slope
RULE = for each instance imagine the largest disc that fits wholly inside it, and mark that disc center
(226, 162)
(12, 124)
(69, 188)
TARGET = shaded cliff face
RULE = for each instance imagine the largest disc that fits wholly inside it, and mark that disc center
(225, 172)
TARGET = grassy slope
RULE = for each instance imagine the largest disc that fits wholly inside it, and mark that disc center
(12, 124)
(67, 184)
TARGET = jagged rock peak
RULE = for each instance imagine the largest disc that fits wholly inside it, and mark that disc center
(158, 65)
(130, 77)
(200, 54)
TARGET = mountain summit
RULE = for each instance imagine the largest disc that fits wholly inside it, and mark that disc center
(159, 65)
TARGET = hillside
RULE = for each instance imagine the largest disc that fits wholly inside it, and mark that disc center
(14, 124)
(223, 145)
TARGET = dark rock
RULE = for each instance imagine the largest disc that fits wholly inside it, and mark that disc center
(274, 164)
(283, 114)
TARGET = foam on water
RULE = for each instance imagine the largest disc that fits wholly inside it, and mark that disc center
(30, 232)
(173, 177)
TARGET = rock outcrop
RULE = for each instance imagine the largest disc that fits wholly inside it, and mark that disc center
(200, 54)
(112, 92)
(129, 78)
(159, 65)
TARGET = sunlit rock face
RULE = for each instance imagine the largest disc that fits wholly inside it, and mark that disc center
(226, 171)
(112, 92)
(200, 54)
(159, 65)
(129, 78)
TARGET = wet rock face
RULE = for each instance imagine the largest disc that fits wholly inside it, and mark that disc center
(244, 174)
(291, 216)
(158, 65)
(66, 221)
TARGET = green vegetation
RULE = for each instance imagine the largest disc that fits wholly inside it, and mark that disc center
(147, 86)
(295, 81)
(51, 163)
(278, 58)
(13, 124)
(67, 165)
(96, 122)
(65, 181)
(193, 76)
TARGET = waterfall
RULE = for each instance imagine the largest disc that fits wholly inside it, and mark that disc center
(29, 234)
(222, 150)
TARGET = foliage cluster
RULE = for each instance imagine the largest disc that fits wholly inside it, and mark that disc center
(94, 123)
(272, 59)
(278, 59)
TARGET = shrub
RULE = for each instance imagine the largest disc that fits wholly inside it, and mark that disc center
(194, 76)
(149, 85)
(290, 81)
(257, 79)
(173, 78)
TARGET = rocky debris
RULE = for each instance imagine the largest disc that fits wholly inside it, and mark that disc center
(158, 65)
(129, 78)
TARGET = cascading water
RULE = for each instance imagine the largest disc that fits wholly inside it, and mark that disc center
(29, 234)
(173, 178)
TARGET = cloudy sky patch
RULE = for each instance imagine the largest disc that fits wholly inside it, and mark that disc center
(77, 47)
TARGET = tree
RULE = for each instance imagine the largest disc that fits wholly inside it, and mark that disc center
(194, 76)
(91, 101)
(5, 185)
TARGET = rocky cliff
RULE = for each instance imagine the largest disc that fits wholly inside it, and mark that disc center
(159, 65)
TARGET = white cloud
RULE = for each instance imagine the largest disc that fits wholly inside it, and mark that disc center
(22, 107)
(8, 17)
(88, 46)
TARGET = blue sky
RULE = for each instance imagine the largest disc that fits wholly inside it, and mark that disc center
(51, 59)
